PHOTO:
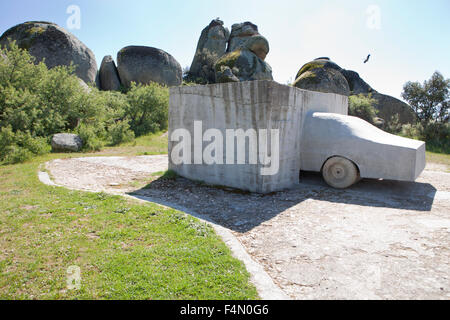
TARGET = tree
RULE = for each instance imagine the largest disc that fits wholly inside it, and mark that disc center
(430, 100)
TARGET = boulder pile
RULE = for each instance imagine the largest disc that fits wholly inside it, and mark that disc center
(222, 56)
(324, 75)
(51, 43)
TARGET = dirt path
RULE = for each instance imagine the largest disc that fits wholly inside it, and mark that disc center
(377, 240)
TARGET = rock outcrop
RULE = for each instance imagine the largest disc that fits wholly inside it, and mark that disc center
(222, 56)
(323, 80)
(108, 75)
(240, 33)
(146, 64)
(356, 84)
(322, 75)
(388, 107)
(211, 46)
(66, 142)
(326, 76)
(45, 40)
(245, 56)
(242, 65)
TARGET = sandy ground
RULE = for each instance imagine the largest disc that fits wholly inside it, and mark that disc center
(376, 240)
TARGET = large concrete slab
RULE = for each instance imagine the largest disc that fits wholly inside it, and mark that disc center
(258, 105)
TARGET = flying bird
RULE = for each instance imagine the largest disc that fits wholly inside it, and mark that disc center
(367, 59)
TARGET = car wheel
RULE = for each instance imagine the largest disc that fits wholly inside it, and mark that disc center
(340, 173)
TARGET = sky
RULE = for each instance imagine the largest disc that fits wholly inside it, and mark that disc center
(407, 40)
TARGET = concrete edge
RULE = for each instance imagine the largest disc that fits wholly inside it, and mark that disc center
(264, 284)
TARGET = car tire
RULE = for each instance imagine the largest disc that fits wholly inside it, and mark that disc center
(340, 173)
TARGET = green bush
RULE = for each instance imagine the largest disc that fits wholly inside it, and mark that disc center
(120, 132)
(20, 146)
(147, 108)
(435, 134)
(37, 102)
(91, 137)
(362, 106)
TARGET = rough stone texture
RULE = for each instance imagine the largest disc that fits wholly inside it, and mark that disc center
(84, 86)
(245, 36)
(240, 32)
(258, 45)
(376, 153)
(108, 75)
(146, 64)
(211, 46)
(356, 84)
(323, 80)
(388, 107)
(248, 105)
(245, 56)
(63, 142)
(242, 65)
(45, 40)
(323, 62)
(323, 75)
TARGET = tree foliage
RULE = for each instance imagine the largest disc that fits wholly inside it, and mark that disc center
(37, 102)
(362, 106)
(430, 100)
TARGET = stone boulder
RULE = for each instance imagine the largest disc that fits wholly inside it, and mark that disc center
(108, 75)
(323, 62)
(66, 142)
(324, 75)
(146, 64)
(356, 84)
(245, 56)
(242, 65)
(322, 79)
(211, 46)
(84, 86)
(246, 36)
(45, 40)
(240, 32)
(388, 107)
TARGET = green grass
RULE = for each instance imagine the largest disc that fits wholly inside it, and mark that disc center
(440, 158)
(152, 144)
(125, 249)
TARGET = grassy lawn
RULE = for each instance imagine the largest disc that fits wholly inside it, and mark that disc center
(125, 249)
(440, 158)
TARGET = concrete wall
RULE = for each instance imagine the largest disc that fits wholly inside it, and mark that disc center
(247, 105)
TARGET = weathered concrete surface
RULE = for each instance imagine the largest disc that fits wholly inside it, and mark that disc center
(376, 153)
(247, 105)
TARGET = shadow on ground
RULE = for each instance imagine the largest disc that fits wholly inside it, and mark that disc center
(242, 211)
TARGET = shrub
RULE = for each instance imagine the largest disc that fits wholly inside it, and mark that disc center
(91, 137)
(362, 106)
(120, 132)
(20, 146)
(148, 108)
(37, 102)
(435, 134)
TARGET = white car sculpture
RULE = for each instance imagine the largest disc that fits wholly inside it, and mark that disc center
(315, 134)
(346, 149)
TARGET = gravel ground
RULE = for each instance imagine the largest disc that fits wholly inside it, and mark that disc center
(376, 240)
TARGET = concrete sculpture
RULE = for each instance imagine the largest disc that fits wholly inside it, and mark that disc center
(258, 135)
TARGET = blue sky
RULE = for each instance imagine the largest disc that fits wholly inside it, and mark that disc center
(412, 40)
